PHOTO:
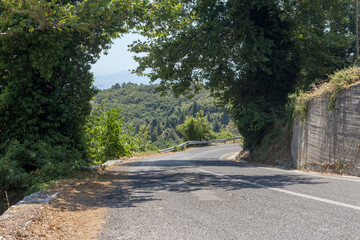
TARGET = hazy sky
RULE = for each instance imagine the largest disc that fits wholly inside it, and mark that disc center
(118, 60)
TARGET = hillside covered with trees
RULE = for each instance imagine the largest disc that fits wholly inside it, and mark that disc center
(142, 105)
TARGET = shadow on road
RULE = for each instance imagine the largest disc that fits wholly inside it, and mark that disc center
(179, 176)
(126, 189)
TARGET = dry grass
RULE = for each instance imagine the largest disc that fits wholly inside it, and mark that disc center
(76, 213)
(69, 216)
(338, 81)
(275, 146)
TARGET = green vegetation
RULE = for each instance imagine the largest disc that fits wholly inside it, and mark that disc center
(337, 82)
(275, 146)
(106, 139)
(46, 52)
(247, 59)
(250, 54)
(196, 128)
(143, 106)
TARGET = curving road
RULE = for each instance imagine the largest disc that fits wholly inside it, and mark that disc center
(194, 195)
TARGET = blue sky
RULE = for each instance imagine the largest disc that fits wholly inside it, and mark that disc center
(114, 67)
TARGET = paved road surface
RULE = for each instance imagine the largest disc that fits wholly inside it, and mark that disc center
(194, 195)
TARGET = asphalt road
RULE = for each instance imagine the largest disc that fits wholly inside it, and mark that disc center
(194, 195)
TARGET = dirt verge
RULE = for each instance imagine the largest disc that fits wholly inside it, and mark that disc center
(75, 213)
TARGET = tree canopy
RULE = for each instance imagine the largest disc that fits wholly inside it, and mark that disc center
(46, 48)
(250, 54)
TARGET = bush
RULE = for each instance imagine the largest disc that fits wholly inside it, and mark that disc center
(105, 137)
(254, 119)
(275, 146)
(108, 138)
(197, 128)
(29, 166)
(223, 134)
(140, 142)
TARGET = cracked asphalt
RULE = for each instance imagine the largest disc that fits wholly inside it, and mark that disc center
(195, 195)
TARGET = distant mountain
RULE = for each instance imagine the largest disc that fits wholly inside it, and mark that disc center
(106, 81)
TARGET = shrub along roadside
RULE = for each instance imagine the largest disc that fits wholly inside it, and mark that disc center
(337, 82)
(31, 166)
(105, 136)
(108, 138)
(275, 147)
(196, 128)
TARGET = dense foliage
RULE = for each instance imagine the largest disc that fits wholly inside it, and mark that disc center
(250, 54)
(324, 36)
(196, 128)
(143, 106)
(247, 58)
(46, 48)
(105, 136)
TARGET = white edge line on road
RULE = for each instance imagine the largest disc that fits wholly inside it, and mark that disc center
(298, 172)
(287, 192)
(344, 178)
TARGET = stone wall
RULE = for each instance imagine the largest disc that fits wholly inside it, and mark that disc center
(329, 139)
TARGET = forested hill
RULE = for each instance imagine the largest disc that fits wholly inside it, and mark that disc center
(142, 104)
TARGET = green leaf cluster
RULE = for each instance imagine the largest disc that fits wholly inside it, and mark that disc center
(324, 35)
(141, 140)
(250, 54)
(105, 137)
(196, 128)
(46, 51)
(27, 166)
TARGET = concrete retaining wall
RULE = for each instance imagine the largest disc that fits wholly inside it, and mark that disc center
(329, 138)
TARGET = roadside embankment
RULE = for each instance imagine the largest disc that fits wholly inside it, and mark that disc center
(326, 132)
(73, 209)
(70, 210)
